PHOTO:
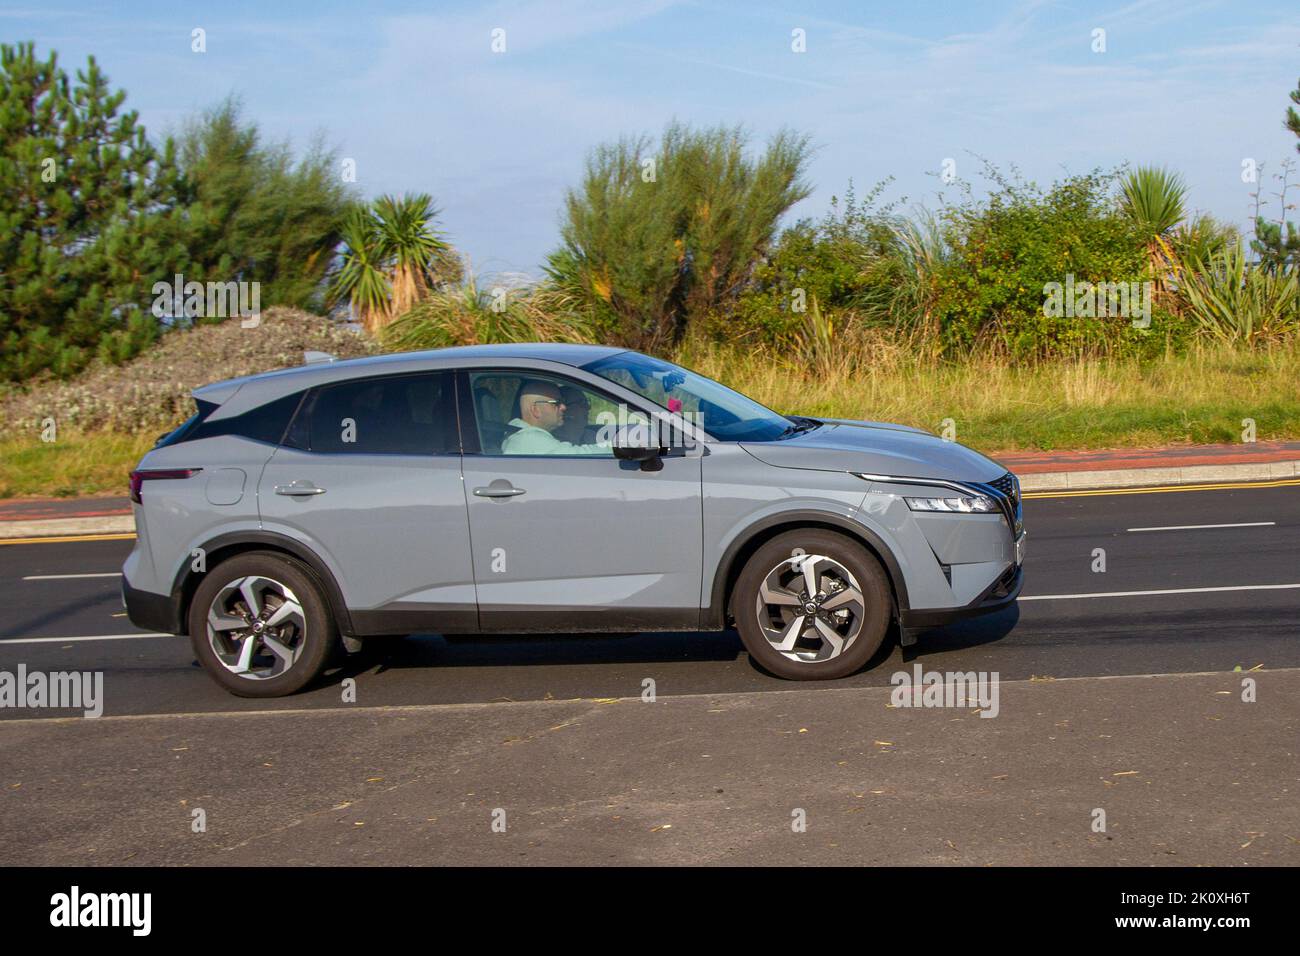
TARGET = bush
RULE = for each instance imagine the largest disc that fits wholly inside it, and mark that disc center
(652, 241)
(991, 291)
(470, 315)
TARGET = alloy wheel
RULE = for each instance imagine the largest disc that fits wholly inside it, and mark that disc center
(810, 608)
(256, 627)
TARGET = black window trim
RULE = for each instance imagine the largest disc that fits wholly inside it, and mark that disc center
(468, 413)
(313, 391)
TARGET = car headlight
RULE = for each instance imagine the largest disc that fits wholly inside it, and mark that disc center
(961, 504)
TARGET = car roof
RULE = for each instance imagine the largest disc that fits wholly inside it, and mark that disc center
(267, 386)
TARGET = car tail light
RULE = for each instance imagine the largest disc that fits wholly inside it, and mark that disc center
(138, 478)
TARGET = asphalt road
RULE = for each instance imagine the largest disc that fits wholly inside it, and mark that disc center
(1053, 633)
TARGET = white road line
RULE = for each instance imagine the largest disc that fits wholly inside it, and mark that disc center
(1197, 527)
(70, 640)
(1102, 594)
(64, 577)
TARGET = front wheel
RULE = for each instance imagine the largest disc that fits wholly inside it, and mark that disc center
(260, 625)
(812, 605)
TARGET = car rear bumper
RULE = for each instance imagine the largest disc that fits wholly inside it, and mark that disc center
(153, 612)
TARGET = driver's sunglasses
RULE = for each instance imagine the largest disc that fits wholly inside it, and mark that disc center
(547, 401)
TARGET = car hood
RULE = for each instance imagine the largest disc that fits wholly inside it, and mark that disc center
(875, 448)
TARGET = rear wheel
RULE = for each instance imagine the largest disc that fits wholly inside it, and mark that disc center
(261, 627)
(812, 605)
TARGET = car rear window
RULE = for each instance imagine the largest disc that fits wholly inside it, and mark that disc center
(388, 415)
(265, 423)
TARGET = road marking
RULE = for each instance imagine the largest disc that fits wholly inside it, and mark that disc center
(71, 640)
(69, 538)
(64, 577)
(1197, 527)
(1163, 489)
(1102, 594)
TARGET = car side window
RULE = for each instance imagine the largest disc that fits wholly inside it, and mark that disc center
(388, 415)
(520, 413)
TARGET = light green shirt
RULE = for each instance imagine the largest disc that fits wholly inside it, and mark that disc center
(531, 440)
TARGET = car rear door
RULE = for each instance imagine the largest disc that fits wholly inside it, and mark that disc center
(369, 478)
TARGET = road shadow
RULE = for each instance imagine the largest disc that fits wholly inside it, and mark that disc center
(962, 635)
(529, 650)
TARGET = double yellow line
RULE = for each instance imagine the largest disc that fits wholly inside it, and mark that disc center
(68, 538)
(1164, 489)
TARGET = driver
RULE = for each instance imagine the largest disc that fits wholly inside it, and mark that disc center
(540, 414)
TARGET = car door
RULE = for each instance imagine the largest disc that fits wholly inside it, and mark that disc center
(368, 476)
(569, 541)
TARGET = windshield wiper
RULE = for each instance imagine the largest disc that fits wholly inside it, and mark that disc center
(801, 424)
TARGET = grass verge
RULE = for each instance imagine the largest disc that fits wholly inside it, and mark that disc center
(89, 464)
(1195, 398)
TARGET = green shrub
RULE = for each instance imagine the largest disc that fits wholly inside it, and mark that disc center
(992, 290)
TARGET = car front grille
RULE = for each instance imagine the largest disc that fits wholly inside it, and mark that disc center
(1008, 487)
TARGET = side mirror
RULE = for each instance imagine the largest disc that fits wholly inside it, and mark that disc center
(642, 453)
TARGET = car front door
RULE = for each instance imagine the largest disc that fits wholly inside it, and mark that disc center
(368, 477)
(574, 539)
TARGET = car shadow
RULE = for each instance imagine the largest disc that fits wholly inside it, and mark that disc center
(960, 635)
(526, 650)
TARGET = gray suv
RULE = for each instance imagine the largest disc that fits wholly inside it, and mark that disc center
(550, 489)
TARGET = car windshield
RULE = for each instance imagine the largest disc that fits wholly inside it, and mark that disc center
(723, 413)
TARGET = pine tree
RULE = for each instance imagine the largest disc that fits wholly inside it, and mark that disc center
(87, 222)
(1275, 249)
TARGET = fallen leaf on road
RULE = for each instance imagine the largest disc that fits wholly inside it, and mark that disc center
(883, 743)
(662, 826)
(1124, 773)
(374, 779)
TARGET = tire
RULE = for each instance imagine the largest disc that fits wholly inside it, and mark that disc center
(841, 634)
(286, 656)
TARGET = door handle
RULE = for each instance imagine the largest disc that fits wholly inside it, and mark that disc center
(298, 488)
(498, 491)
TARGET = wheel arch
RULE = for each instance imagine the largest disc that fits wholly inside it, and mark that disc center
(754, 537)
(226, 546)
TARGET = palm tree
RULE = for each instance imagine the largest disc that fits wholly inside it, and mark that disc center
(1153, 198)
(392, 257)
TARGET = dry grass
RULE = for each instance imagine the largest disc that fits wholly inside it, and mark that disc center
(1200, 397)
(73, 465)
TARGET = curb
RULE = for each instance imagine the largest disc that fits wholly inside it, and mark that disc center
(54, 527)
(1149, 477)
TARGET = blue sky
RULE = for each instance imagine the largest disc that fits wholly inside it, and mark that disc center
(414, 93)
